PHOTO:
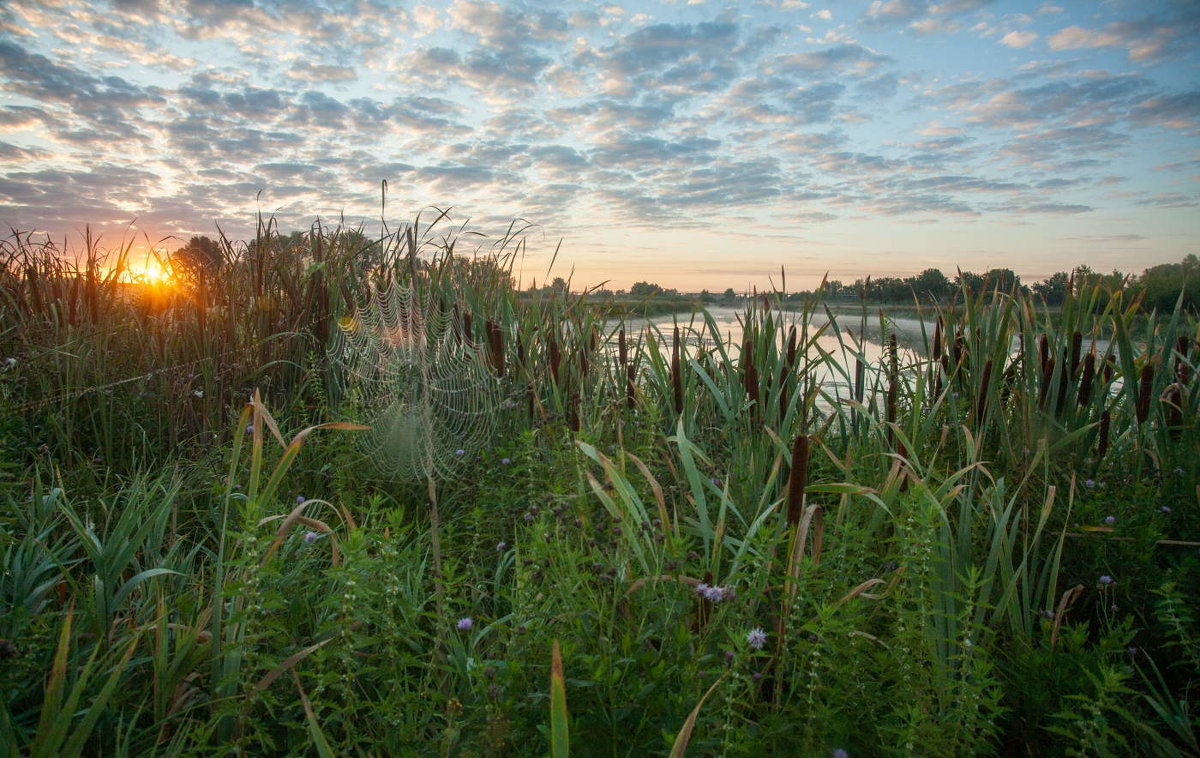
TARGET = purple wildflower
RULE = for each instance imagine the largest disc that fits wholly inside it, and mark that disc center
(465, 623)
(506, 461)
(756, 638)
(460, 452)
(1106, 579)
(310, 536)
(1110, 519)
(300, 499)
(839, 753)
(1165, 509)
(249, 428)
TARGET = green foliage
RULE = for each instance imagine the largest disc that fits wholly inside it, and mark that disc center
(988, 547)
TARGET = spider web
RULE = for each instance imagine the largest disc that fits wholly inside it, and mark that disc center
(427, 392)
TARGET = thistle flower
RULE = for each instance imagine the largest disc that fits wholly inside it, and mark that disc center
(756, 638)
(465, 623)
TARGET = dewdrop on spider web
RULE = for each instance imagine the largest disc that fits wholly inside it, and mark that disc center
(428, 391)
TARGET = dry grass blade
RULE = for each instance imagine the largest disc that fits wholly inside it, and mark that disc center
(659, 499)
(685, 732)
(1068, 598)
(289, 663)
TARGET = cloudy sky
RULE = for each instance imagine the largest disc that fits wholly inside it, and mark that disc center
(692, 143)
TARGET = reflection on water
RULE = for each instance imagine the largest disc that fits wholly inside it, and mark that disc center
(832, 360)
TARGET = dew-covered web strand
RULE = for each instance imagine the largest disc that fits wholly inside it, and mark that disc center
(427, 391)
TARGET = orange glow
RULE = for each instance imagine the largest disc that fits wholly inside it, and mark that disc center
(149, 271)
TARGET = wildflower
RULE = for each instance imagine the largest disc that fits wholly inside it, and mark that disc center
(1110, 519)
(839, 753)
(506, 461)
(10, 362)
(756, 638)
(460, 452)
(310, 537)
(249, 428)
(300, 499)
(713, 594)
(1106, 579)
(1089, 483)
(1165, 509)
(465, 623)
(528, 517)
(729, 655)
(198, 393)
(1046, 614)
(501, 547)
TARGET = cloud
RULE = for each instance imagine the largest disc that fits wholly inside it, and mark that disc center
(312, 72)
(1146, 39)
(1019, 39)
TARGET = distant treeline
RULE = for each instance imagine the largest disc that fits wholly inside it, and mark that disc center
(1159, 287)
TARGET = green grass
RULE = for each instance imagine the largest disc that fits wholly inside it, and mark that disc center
(979, 546)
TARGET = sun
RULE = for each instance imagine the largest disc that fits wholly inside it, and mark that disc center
(151, 271)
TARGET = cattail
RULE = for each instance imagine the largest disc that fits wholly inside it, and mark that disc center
(622, 348)
(1110, 367)
(1044, 353)
(937, 340)
(981, 405)
(750, 376)
(1105, 422)
(797, 479)
(573, 408)
(1086, 381)
(495, 338)
(676, 374)
(1144, 389)
(555, 359)
(1047, 374)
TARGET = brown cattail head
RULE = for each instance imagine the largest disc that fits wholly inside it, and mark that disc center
(555, 359)
(1145, 387)
(1076, 348)
(495, 338)
(622, 348)
(937, 340)
(750, 375)
(1047, 374)
(1105, 423)
(797, 479)
(1044, 353)
(1087, 379)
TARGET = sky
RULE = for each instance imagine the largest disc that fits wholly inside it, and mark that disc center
(694, 144)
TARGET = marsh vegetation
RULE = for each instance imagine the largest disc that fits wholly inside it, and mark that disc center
(653, 539)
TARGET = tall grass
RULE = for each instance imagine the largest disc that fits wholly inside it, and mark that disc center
(950, 550)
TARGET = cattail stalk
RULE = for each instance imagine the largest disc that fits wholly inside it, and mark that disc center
(1105, 423)
(797, 479)
(1087, 379)
(1145, 387)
